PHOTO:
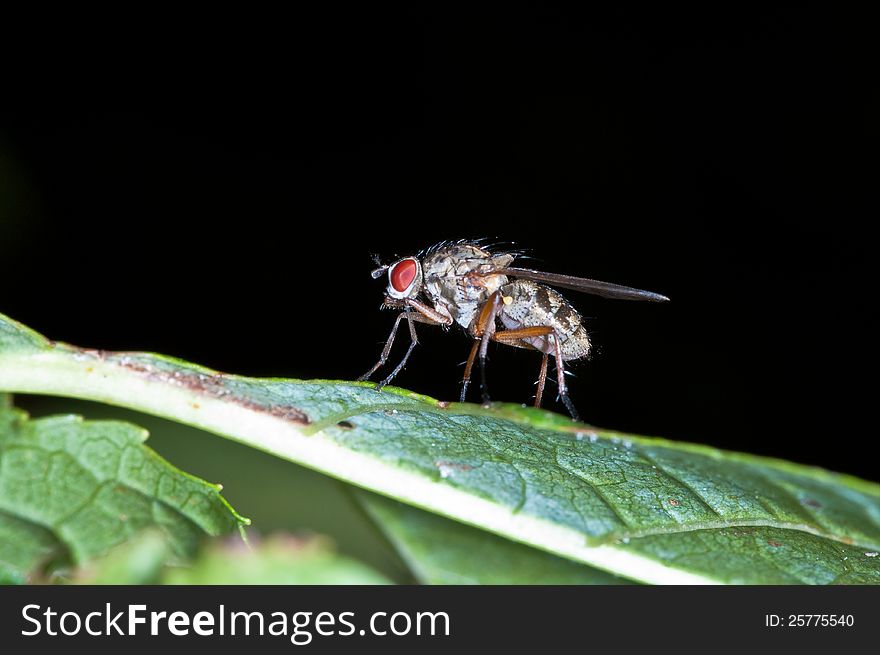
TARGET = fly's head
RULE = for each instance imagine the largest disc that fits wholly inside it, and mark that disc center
(404, 278)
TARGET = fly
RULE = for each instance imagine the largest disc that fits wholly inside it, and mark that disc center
(464, 283)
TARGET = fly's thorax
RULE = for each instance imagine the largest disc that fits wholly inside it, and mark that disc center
(529, 304)
(455, 277)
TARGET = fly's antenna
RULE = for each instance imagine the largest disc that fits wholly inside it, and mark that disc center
(381, 268)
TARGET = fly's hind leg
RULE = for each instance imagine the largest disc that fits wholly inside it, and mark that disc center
(542, 380)
(517, 335)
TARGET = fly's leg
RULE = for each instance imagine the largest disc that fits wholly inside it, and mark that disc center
(387, 349)
(413, 341)
(513, 336)
(422, 314)
(483, 329)
(542, 379)
(560, 376)
(468, 368)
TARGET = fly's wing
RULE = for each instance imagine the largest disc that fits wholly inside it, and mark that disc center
(604, 289)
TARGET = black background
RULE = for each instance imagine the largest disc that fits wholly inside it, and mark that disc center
(212, 187)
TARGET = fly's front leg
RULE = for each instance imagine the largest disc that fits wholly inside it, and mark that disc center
(517, 335)
(413, 341)
(422, 314)
(387, 349)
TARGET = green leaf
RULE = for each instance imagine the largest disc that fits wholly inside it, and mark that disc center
(441, 551)
(281, 559)
(647, 509)
(140, 560)
(71, 489)
(23, 547)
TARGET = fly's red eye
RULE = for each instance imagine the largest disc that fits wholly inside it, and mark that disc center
(403, 274)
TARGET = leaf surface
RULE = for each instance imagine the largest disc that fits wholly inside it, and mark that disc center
(280, 559)
(72, 489)
(442, 551)
(648, 509)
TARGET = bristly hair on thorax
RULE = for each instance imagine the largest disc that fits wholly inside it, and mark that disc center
(489, 244)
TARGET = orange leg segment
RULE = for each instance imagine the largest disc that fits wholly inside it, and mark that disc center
(468, 368)
(482, 329)
(512, 336)
(542, 379)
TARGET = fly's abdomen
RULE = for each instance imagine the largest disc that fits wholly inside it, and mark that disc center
(529, 304)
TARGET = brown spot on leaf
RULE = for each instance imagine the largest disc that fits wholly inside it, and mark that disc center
(209, 384)
(773, 543)
(196, 406)
(447, 468)
(345, 425)
(284, 412)
(443, 404)
(674, 502)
